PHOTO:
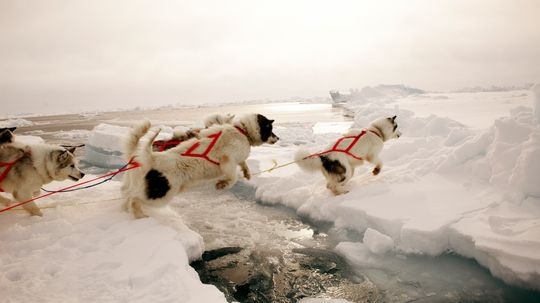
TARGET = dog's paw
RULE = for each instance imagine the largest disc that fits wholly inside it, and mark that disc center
(35, 212)
(223, 184)
(376, 171)
(338, 192)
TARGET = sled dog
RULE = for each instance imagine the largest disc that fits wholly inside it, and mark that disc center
(216, 153)
(28, 167)
(337, 163)
(184, 135)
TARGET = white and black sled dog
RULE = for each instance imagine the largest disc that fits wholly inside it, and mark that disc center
(215, 153)
(337, 163)
(184, 135)
(26, 168)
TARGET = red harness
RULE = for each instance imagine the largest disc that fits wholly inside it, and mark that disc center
(190, 152)
(346, 150)
(9, 166)
(204, 154)
(164, 145)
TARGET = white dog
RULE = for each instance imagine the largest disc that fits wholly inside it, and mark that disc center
(216, 153)
(29, 167)
(184, 135)
(337, 163)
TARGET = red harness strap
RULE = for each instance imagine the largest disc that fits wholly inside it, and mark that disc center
(9, 166)
(204, 155)
(164, 145)
(346, 150)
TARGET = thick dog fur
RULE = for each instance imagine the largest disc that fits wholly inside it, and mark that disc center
(165, 174)
(181, 135)
(338, 167)
(37, 165)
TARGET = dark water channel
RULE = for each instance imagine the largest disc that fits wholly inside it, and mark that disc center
(258, 253)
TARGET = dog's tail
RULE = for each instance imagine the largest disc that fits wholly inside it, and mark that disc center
(307, 163)
(134, 137)
(145, 156)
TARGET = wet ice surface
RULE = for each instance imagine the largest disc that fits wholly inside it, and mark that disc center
(258, 253)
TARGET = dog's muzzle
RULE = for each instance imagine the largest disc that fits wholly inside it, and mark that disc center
(76, 178)
(272, 139)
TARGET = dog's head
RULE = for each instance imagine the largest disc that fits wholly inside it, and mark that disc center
(259, 129)
(65, 165)
(6, 135)
(387, 127)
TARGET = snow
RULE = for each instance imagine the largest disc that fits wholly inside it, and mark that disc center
(450, 184)
(105, 145)
(15, 123)
(442, 187)
(376, 242)
(97, 253)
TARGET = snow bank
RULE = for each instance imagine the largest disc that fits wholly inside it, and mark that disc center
(15, 123)
(376, 242)
(95, 252)
(105, 144)
(442, 188)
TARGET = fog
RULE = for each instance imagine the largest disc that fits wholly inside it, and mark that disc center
(65, 56)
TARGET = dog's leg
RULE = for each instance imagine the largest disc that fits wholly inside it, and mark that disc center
(378, 164)
(30, 207)
(136, 207)
(5, 201)
(245, 170)
(228, 168)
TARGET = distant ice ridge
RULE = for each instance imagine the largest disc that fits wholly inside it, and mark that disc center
(443, 187)
(15, 123)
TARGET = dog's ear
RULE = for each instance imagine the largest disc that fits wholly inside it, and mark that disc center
(12, 129)
(271, 121)
(62, 155)
(394, 118)
(72, 149)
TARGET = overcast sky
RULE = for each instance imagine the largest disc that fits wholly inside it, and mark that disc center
(80, 55)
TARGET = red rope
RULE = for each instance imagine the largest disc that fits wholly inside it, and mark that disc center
(133, 163)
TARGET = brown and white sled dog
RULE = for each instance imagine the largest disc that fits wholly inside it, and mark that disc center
(216, 153)
(337, 163)
(30, 167)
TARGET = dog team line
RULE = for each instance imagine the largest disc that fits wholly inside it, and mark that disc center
(154, 178)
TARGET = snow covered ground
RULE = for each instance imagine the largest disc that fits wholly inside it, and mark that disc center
(450, 184)
(446, 185)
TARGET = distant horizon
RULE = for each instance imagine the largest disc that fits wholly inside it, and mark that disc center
(466, 89)
(76, 55)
